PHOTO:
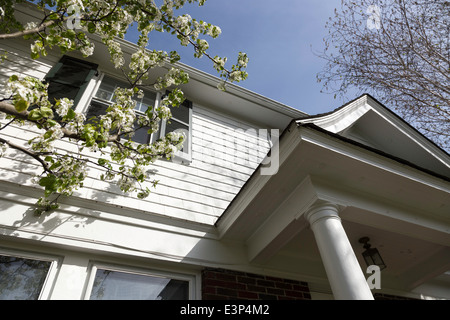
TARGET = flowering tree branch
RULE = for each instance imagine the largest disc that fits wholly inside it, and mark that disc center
(67, 26)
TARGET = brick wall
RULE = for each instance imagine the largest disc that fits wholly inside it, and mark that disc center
(221, 284)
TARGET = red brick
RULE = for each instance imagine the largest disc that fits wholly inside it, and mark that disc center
(227, 292)
(224, 284)
(226, 277)
(214, 297)
(283, 285)
(229, 284)
(296, 294)
(256, 288)
(301, 288)
(274, 279)
(265, 283)
(208, 289)
(278, 292)
(264, 296)
(246, 280)
(247, 295)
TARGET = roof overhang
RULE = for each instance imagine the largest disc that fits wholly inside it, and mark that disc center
(400, 205)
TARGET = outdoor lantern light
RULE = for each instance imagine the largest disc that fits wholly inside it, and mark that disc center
(371, 255)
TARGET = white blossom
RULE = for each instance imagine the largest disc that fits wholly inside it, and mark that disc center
(63, 106)
(30, 25)
(87, 50)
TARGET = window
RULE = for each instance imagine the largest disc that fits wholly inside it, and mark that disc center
(104, 96)
(69, 78)
(119, 284)
(23, 278)
(180, 122)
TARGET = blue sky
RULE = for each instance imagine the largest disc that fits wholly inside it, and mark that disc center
(279, 38)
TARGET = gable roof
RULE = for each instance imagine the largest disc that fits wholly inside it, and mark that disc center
(390, 183)
(355, 123)
(369, 124)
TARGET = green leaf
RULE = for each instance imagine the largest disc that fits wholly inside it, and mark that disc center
(91, 27)
(53, 16)
(70, 115)
(47, 112)
(21, 105)
(49, 182)
(34, 55)
(52, 123)
(35, 115)
(13, 78)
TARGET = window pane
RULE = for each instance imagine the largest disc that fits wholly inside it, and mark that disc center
(115, 285)
(22, 279)
(156, 135)
(95, 110)
(107, 87)
(148, 100)
(69, 80)
(59, 90)
(141, 135)
(181, 113)
(176, 126)
(72, 72)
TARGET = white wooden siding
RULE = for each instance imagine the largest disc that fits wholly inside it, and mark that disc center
(225, 152)
(19, 62)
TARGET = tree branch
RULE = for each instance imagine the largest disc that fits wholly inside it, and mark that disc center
(11, 110)
(17, 34)
(32, 154)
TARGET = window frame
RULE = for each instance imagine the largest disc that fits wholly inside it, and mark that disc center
(96, 265)
(51, 276)
(179, 156)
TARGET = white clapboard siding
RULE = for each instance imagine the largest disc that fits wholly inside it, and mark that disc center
(19, 62)
(226, 143)
(225, 153)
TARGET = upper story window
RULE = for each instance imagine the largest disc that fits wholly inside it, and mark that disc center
(69, 78)
(180, 122)
(181, 117)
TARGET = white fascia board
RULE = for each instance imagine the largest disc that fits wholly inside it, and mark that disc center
(411, 133)
(338, 145)
(342, 118)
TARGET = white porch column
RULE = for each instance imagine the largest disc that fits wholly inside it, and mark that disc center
(344, 273)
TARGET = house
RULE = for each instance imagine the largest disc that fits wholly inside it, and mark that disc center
(263, 202)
